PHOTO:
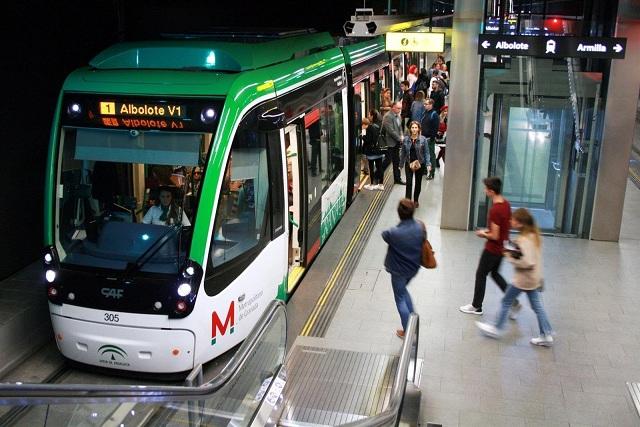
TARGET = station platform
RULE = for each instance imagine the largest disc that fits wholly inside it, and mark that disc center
(591, 296)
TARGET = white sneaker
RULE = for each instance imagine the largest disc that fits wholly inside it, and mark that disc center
(542, 340)
(380, 187)
(369, 187)
(488, 330)
(470, 309)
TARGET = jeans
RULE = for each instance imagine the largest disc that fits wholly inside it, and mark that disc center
(409, 174)
(536, 304)
(489, 263)
(402, 298)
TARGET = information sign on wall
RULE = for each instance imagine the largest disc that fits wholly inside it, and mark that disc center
(415, 42)
(552, 47)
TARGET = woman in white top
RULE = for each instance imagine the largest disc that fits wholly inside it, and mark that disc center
(526, 257)
(167, 212)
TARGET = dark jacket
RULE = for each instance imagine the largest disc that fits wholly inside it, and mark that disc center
(370, 139)
(438, 99)
(407, 99)
(405, 248)
(430, 124)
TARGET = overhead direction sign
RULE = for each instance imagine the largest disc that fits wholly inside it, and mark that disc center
(415, 42)
(552, 47)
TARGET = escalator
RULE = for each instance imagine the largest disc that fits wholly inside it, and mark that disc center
(259, 386)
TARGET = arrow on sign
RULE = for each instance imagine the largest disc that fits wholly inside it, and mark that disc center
(617, 48)
(485, 44)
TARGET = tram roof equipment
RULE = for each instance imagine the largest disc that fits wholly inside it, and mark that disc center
(364, 23)
(219, 51)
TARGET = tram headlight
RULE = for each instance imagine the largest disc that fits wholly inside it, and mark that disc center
(208, 115)
(51, 267)
(184, 289)
(189, 271)
(50, 275)
(74, 110)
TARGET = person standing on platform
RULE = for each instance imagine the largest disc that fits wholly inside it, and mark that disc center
(392, 129)
(495, 234)
(437, 95)
(430, 125)
(441, 139)
(371, 131)
(414, 156)
(403, 258)
(526, 257)
(417, 107)
(412, 77)
(407, 100)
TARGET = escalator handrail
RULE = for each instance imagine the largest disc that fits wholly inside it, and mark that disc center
(32, 394)
(391, 414)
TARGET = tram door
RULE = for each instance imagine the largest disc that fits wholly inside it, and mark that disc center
(293, 142)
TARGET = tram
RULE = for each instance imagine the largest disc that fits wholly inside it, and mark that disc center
(192, 180)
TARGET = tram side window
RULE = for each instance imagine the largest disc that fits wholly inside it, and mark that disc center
(242, 220)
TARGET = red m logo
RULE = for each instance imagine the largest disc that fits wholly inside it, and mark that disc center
(218, 326)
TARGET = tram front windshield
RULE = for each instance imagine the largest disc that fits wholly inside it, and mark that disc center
(126, 199)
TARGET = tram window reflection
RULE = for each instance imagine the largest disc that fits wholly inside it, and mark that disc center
(242, 214)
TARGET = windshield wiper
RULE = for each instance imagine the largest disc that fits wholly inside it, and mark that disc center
(132, 267)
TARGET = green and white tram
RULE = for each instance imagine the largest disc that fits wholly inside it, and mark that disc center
(191, 181)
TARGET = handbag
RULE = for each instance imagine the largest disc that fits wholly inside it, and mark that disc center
(428, 258)
(381, 142)
(415, 165)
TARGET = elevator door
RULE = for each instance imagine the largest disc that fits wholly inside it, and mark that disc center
(540, 122)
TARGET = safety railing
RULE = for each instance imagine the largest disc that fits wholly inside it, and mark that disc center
(233, 396)
(405, 372)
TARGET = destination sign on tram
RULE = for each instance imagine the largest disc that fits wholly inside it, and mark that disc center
(140, 113)
(132, 109)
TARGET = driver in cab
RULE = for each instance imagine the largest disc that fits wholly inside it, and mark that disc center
(167, 212)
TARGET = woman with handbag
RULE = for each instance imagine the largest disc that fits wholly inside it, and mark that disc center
(414, 155)
(403, 259)
(526, 257)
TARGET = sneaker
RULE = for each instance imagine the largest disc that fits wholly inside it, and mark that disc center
(369, 187)
(470, 309)
(380, 187)
(488, 330)
(514, 311)
(542, 340)
(400, 333)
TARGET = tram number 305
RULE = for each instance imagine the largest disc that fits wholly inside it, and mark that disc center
(110, 317)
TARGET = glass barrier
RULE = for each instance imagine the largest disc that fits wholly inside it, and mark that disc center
(232, 402)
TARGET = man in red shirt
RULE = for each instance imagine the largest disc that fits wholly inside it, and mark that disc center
(496, 233)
